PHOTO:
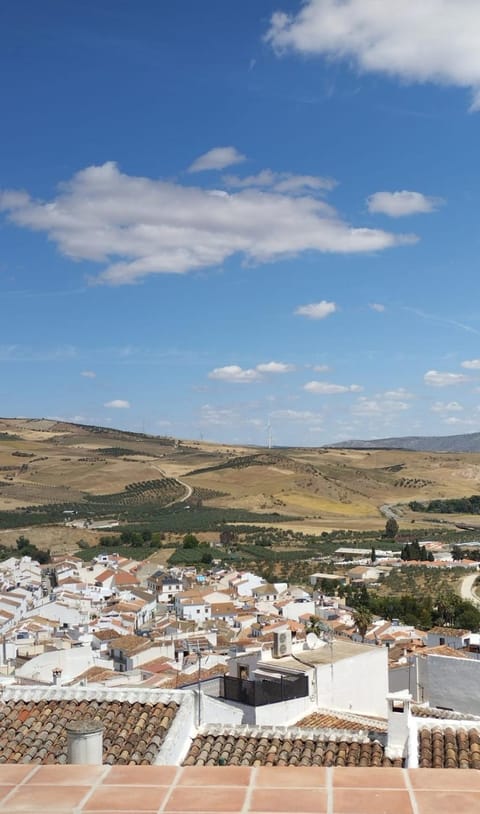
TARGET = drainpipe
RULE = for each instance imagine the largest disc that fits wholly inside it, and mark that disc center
(85, 742)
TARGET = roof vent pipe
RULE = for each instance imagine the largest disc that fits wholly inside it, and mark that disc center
(85, 742)
(57, 676)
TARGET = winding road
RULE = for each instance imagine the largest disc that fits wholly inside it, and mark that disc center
(466, 589)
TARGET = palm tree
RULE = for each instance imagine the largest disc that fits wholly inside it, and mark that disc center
(363, 619)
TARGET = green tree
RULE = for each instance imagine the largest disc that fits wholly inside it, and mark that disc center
(391, 528)
(363, 618)
(190, 541)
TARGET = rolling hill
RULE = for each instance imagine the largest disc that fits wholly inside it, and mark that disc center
(50, 468)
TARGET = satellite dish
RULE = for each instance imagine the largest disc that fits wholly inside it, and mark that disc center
(312, 641)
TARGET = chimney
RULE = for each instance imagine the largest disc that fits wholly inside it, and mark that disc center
(85, 742)
(57, 676)
(398, 724)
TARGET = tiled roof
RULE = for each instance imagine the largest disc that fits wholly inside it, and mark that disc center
(105, 634)
(448, 631)
(272, 749)
(130, 644)
(420, 711)
(449, 749)
(328, 720)
(34, 731)
(445, 650)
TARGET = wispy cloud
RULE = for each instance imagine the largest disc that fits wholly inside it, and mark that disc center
(235, 374)
(316, 310)
(238, 375)
(275, 367)
(118, 404)
(441, 320)
(471, 364)
(435, 378)
(27, 353)
(330, 389)
(217, 159)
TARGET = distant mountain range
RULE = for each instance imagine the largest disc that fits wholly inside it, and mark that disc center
(469, 442)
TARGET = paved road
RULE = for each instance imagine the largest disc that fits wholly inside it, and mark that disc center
(466, 589)
(188, 489)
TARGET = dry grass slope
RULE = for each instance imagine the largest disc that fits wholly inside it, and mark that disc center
(44, 462)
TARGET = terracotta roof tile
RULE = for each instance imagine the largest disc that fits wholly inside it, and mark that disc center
(449, 749)
(297, 750)
(326, 720)
(34, 731)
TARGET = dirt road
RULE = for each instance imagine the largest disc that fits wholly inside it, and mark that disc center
(467, 591)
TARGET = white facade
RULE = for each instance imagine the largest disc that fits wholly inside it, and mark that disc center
(449, 682)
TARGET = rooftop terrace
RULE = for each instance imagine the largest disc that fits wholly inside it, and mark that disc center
(236, 790)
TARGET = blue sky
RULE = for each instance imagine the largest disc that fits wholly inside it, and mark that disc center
(218, 216)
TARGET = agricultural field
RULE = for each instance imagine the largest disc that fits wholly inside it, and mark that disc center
(48, 467)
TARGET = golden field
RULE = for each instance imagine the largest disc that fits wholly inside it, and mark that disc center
(45, 462)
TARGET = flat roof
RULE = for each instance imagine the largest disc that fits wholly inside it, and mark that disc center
(339, 650)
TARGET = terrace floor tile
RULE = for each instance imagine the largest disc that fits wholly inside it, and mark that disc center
(291, 777)
(372, 801)
(436, 779)
(206, 798)
(357, 777)
(140, 775)
(72, 775)
(215, 776)
(31, 797)
(288, 800)
(444, 802)
(14, 773)
(126, 798)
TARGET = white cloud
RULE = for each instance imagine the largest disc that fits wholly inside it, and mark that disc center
(282, 182)
(321, 368)
(139, 226)
(118, 404)
(398, 393)
(379, 406)
(428, 41)
(446, 407)
(399, 204)
(329, 389)
(377, 306)
(436, 379)
(89, 374)
(316, 310)
(234, 374)
(275, 367)
(471, 364)
(217, 159)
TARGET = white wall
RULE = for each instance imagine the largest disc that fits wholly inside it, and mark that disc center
(449, 682)
(284, 713)
(357, 684)
(296, 609)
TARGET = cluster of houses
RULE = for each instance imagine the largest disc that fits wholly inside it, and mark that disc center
(233, 666)
(116, 622)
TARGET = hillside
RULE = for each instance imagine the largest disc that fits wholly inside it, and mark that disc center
(469, 442)
(48, 470)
